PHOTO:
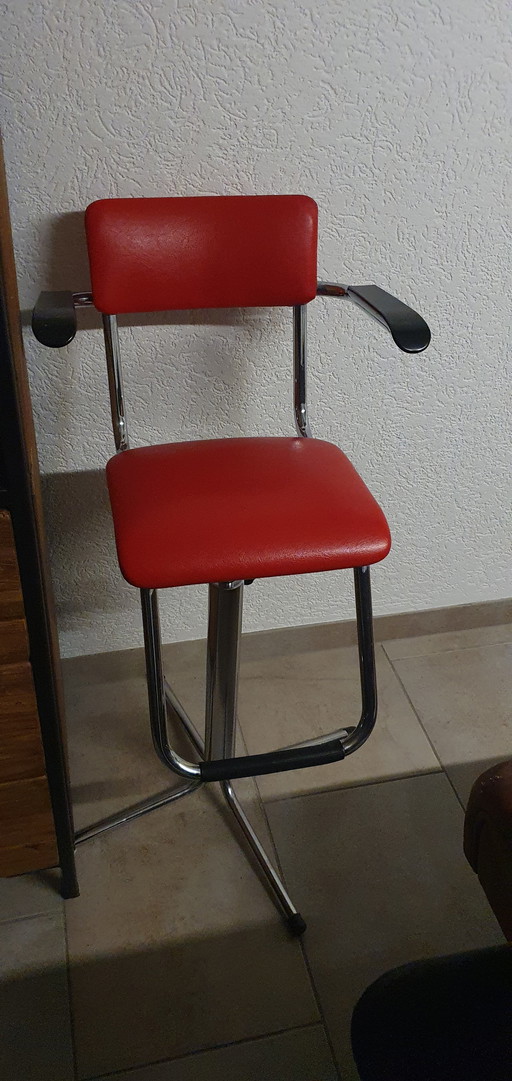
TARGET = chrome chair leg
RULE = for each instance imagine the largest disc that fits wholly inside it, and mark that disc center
(224, 632)
(158, 698)
(135, 811)
(223, 652)
(293, 918)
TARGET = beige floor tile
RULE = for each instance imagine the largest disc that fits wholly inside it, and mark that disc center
(464, 701)
(382, 880)
(112, 760)
(30, 895)
(175, 945)
(449, 640)
(286, 699)
(35, 1031)
(300, 1055)
(464, 774)
(174, 942)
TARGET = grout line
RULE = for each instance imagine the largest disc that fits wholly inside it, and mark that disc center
(31, 916)
(269, 828)
(450, 782)
(318, 1002)
(430, 772)
(302, 945)
(347, 630)
(439, 652)
(72, 1028)
(422, 726)
(415, 711)
(203, 1051)
(60, 917)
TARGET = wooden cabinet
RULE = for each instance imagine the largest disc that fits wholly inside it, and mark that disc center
(27, 838)
(36, 828)
(21, 747)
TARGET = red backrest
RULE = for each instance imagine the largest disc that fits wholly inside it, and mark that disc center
(203, 252)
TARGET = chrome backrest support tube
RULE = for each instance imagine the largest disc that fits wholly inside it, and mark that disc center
(331, 289)
(115, 381)
(83, 300)
(299, 368)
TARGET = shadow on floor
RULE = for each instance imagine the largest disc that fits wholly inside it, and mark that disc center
(161, 1001)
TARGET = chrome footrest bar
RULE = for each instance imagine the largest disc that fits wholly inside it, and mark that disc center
(315, 752)
(255, 765)
(341, 733)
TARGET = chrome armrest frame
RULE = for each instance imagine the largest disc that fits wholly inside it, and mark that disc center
(407, 328)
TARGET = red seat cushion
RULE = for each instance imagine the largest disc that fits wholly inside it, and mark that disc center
(225, 509)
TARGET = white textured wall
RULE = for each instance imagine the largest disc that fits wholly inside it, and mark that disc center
(391, 115)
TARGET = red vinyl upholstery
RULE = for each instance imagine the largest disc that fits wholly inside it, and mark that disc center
(203, 252)
(226, 509)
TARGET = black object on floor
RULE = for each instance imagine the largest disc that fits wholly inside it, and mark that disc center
(438, 1020)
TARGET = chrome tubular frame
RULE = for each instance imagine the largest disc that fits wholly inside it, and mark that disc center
(54, 324)
(358, 295)
(176, 711)
(169, 795)
(83, 300)
(225, 601)
(299, 369)
(366, 649)
(115, 382)
(292, 916)
(156, 691)
(223, 648)
(354, 736)
(331, 289)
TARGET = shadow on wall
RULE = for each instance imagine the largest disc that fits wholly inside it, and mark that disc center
(82, 547)
(97, 609)
(65, 265)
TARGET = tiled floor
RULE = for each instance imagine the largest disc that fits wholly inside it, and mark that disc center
(179, 967)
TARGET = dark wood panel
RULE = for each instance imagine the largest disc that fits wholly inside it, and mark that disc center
(11, 604)
(11, 598)
(27, 832)
(13, 629)
(21, 750)
(16, 359)
(13, 641)
(22, 496)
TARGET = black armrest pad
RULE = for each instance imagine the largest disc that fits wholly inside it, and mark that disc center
(54, 319)
(408, 330)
